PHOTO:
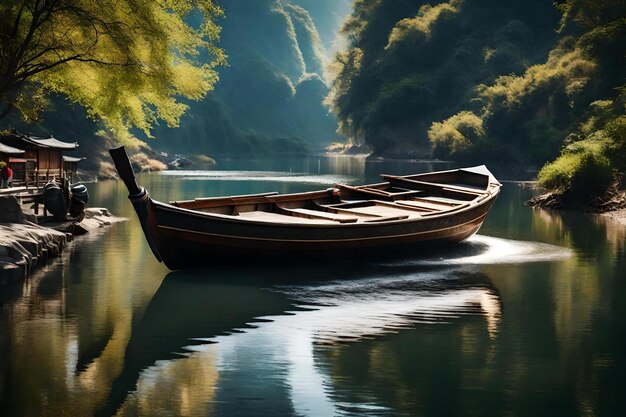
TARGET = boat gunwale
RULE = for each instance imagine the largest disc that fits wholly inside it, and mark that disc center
(479, 201)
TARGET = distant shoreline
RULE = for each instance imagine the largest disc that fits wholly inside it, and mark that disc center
(618, 214)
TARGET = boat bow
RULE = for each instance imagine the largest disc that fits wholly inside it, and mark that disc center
(137, 195)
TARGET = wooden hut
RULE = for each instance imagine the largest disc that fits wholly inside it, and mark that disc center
(42, 159)
(70, 166)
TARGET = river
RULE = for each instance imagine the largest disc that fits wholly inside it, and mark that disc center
(527, 318)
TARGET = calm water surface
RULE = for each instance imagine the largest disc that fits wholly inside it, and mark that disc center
(528, 318)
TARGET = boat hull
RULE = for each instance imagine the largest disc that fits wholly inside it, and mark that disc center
(402, 215)
(184, 237)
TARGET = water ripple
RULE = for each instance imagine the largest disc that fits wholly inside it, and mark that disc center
(484, 250)
(348, 311)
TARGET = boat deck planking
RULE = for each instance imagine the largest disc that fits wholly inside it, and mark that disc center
(385, 202)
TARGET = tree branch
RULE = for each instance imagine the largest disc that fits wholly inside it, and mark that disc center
(18, 19)
(37, 68)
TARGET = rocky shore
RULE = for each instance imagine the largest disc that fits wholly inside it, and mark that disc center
(612, 203)
(28, 241)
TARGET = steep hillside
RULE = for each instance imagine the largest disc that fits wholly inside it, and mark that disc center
(270, 97)
(410, 63)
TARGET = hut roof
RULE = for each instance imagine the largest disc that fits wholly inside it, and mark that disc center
(29, 142)
(9, 150)
(53, 143)
(72, 158)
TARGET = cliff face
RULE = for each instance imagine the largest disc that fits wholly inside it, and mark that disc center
(270, 97)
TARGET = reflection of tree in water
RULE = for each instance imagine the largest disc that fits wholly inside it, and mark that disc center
(462, 369)
(187, 306)
(418, 336)
(581, 232)
(615, 232)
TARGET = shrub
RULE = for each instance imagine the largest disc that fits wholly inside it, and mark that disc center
(455, 135)
(581, 173)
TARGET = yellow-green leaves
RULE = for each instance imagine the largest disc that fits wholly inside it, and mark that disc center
(128, 62)
(567, 66)
(456, 134)
(423, 22)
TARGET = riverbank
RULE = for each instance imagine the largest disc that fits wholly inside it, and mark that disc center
(28, 242)
(614, 209)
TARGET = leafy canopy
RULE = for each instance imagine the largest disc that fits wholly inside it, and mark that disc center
(127, 62)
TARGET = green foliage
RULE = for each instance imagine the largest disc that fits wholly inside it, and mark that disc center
(582, 172)
(505, 83)
(615, 131)
(421, 25)
(409, 64)
(399, 100)
(596, 150)
(127, 62)
(583, 15)
(589, 160)
(272, 88)
(567, 69)
(455, 136)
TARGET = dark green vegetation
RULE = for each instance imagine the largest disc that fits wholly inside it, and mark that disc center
(593, 159)
(515, 84)
(506, 83)
(411, 64)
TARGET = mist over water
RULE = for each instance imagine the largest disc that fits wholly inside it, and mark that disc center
(264, 176)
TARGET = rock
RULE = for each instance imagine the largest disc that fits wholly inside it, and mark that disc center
(25, 245)
(551, 200)
(95, 218)
(9, 272)
(10, 210)
(86, 226)
(97, 211)
(64, 227)
(29, 215)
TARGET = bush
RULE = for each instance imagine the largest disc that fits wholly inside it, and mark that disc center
(616, 132)
(581, 173)
(455, 136)
(557, 175)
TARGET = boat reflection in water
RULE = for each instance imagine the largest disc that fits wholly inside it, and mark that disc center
(217, 326)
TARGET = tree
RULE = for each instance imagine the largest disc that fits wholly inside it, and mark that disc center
(128, 62)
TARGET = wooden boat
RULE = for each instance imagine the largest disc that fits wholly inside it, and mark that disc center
(403, 214)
